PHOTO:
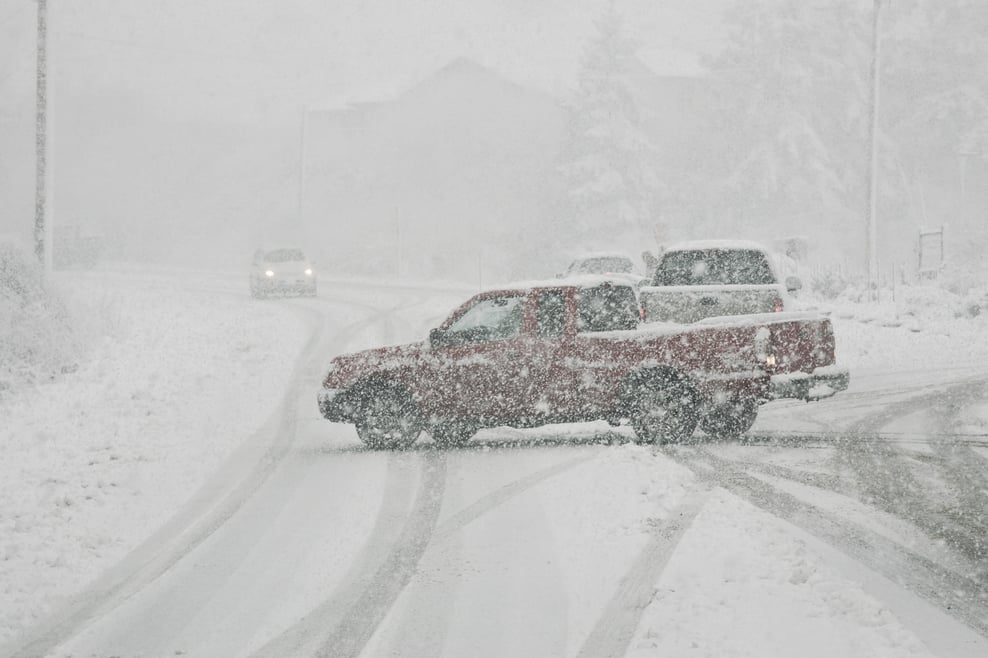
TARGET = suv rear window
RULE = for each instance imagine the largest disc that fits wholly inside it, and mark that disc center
(711, 267)
(284, 256)
(607, 307)
(602, 265)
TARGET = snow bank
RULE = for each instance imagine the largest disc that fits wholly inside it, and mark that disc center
(37, 339)
(93, 462)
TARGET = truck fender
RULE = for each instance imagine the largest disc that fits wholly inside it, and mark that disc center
(366, 389)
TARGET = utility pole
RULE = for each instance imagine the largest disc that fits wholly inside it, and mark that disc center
(41, 249)
(872, 232)
(301, 169)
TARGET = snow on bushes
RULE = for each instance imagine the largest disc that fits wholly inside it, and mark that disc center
(37, 341)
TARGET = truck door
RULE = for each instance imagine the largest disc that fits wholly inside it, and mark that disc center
(546, 393)
(587, 372)
(479, 361)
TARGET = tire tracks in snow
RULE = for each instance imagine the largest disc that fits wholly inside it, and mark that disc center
(393, 549)
(207, 511)
(879, 474)
(956, 594)
(615, 630)
(893, 480)
(396, 546)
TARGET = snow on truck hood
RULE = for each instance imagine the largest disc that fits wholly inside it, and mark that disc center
(391, 355)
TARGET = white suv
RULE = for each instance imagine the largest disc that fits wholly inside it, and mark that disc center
(282, 271)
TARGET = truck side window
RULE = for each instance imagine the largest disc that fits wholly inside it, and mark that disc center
(550, 315)
(490, 319)
(607, 308)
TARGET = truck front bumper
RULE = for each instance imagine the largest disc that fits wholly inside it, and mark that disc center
(821, 383)
(331, 405)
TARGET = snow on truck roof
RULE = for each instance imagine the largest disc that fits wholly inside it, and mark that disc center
(575, 281)
(696, 245)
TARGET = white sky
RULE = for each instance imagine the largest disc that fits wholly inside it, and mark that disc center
(228, 56)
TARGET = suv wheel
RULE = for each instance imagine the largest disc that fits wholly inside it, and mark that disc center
(388, 419)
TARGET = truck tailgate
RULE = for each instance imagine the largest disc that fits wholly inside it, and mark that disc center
(687, 304)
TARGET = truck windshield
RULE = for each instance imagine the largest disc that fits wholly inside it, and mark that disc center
(710, 267)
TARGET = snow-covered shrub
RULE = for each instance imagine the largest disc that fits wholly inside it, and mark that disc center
(36, 337)
(827, 284)
(932, 303)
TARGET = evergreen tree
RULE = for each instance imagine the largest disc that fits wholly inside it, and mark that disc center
(939, 101)
(936, 64)
(607, 160)
(796, 77)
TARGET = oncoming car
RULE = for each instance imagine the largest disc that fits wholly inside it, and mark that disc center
(282, 271)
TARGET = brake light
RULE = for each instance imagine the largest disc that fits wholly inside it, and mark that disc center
(778, 306)
(641, 312)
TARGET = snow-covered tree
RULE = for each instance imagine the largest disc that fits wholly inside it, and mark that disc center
(936, 60)
(796, 79)
(607, 161)
(937, 91)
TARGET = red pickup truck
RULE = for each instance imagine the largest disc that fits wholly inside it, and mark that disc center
(572, 351)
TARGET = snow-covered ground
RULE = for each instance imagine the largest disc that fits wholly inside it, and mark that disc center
(183, 372)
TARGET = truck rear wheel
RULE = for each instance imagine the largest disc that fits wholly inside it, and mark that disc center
(388, 419)
(665, 411)
(731, 419)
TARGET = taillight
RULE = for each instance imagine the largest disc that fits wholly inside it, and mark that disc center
(641, 312)
(777, 305)
(763, 348)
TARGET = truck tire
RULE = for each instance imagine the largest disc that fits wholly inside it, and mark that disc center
(666, 410)
(388, 418)
(731, 419)
(452, 433)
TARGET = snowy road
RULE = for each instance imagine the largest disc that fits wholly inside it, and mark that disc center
(864, 514)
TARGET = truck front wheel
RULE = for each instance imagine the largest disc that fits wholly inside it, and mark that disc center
(665, 411)
(730, 419)
(388, 419)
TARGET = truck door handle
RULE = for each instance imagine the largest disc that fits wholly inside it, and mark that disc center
(708, 301)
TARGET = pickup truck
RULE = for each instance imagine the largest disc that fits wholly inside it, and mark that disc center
(717, 281)
(701, 279)
(569, 351)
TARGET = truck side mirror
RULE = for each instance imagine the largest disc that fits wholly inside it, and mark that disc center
(793, 283)
(437, 337)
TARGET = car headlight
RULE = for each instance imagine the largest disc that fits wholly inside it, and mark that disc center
(268, 272)
(308, 271)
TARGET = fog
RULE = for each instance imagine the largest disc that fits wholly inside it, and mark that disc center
(210, 448)
(477, 142)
